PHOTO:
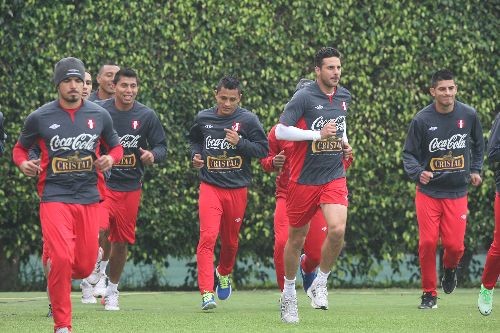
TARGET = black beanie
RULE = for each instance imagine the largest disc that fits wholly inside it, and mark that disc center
(67, 67)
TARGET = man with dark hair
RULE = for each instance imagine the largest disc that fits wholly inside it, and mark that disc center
(277, 160)
(314, 119)
(68, 132)
(443, 152)
(223, 141)
(144, 142)
(104, 79)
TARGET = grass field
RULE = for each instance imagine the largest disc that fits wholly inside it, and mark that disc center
(363, 310)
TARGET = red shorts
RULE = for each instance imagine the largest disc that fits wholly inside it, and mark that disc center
(303, 200)
(121, 209)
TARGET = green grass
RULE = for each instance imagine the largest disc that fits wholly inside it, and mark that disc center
(353, 310)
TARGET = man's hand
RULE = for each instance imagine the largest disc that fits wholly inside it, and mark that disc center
(425, 177)
(198, 162)
(475, 179)
(279, 160)
(346, 150)
(232, 136)
(31, 168)
(329, 130)
(147, 157)
(104, 163)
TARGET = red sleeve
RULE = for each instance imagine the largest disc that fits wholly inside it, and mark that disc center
(19, 154)
(274, 149)
(116, 153)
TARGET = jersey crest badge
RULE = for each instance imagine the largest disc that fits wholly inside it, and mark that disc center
(344, 105)
(236, 126)
(460, 123)
(135, 124)
(91, 123)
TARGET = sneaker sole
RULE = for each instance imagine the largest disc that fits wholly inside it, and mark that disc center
(209, 306)
(111, 308)
(89, 301)
(222, 298)
(484, 313)
(428, 308)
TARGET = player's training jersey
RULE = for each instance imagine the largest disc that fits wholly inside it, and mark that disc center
(93, 97)
(68, 144)
(137, 128)
(449, 145)
(494, 150)
(317, 162)
(226, 165)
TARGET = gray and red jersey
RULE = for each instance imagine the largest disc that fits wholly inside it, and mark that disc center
(227, 166)
(93, 97)
(449, 145)
(494, 150)
(69, 142)
(317, 162)
(137, 128)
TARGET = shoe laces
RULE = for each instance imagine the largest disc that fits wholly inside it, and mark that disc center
(112, 298)
(224, 281)
(486, 294)
(206, 297)
(289, 306)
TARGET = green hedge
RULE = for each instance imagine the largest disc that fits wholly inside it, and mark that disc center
(182, 48)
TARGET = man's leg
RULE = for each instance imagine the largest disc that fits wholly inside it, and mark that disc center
(491, 267)
(210, 213)
(123, 217)
(429, 212)
(311, 258)
(234, 205)
(280, 238)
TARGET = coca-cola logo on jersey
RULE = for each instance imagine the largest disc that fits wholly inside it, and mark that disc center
(82, 142)
(456, 141)
(217, 143)
(130, 141)
(320, 122)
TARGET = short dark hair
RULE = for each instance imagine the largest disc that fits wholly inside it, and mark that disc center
(441, 75)
(228, 82)
(107, 63)
(325, 52)
(126, 72)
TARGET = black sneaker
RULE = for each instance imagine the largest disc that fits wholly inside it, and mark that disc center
(49, 314)
(428, 301)
(449, 280)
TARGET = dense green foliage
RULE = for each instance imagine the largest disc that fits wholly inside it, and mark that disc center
(182, 48)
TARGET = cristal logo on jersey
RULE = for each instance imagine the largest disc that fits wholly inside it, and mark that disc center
(460, 123)
(135, 124)
(91, 123)
(236, 126)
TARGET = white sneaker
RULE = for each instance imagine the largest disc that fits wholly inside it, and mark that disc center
(100, 286)
(87, 293)
(485, 301)
(63, 330)
(289, 311)
(111, 300)
(318, 293)
(94, 277)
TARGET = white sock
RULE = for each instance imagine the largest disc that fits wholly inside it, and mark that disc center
(112, 286)
(322, 277)
(102, 266)
(289, 287)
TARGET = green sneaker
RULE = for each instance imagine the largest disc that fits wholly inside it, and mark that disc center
(485, 300)
(223, 288)
(208, 301)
